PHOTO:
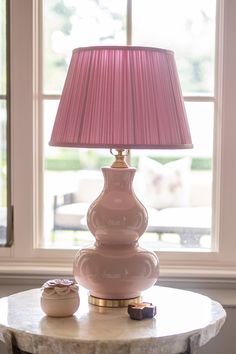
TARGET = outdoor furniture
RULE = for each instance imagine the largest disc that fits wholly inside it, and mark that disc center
(190, 223)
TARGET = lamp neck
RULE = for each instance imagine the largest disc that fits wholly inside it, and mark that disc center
(120, 158)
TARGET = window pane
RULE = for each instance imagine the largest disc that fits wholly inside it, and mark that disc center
(3, 173)
(3, 47)
(69, 24)
(188, 28)
(72, 180)
(175, 187)
(201, 122)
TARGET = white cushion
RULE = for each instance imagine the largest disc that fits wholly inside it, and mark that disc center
(161, 186)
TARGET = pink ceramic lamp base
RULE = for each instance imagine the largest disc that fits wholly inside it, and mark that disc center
(115, 267)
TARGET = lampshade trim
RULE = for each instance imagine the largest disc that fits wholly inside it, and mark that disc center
(113, 146)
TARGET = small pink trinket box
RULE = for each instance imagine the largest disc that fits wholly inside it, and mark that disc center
(60, 297)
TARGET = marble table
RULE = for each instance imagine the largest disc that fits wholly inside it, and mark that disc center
(184, 322)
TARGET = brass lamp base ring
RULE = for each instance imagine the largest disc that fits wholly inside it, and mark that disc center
(113, 302)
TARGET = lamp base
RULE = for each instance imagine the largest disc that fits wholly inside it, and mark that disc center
(113, 302)
(115, 266)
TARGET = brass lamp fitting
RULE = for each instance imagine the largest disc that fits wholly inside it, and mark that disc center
(120, 158)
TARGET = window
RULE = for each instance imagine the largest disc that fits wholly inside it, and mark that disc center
(174, 186)
(5, 199)
(28, 253)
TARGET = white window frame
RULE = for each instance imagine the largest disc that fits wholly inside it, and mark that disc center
(24, 256)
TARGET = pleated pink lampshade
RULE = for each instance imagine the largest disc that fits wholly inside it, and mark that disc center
(122, 97)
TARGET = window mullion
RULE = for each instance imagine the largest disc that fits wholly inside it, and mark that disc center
(199, 98)
(129, 23)
(38, 123)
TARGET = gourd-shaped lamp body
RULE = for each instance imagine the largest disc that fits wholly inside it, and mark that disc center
(115, 267)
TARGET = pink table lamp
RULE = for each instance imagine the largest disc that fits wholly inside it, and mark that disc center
(119, 98)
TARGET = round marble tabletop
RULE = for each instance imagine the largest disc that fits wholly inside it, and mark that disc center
(184, 321)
